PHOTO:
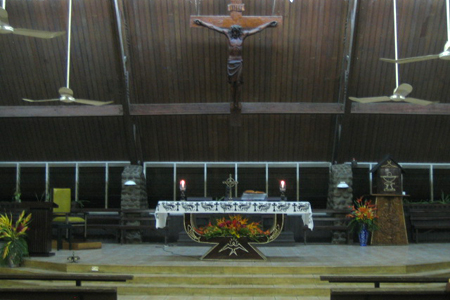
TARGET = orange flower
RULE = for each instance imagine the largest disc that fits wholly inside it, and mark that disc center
(236, 226)
(363, 212)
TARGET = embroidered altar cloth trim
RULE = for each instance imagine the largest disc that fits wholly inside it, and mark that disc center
(164, 208)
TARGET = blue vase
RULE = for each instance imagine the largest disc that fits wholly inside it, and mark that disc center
(363, 235)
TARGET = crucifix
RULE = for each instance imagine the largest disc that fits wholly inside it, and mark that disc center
(230, 182)
(236, 28)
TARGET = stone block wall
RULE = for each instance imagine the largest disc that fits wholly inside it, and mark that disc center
(339, 198)
(134, 197)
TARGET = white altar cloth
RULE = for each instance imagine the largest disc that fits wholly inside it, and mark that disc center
(164, 208)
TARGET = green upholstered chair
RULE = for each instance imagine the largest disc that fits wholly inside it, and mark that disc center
(62, 213)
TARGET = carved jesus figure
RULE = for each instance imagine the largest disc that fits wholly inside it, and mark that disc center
(236, 36)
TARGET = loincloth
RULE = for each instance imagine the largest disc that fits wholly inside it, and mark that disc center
(234, 70)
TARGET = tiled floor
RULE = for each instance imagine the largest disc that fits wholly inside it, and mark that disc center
(298, 255)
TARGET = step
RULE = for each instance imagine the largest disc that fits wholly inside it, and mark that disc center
(225, 290)
(236, 279)
(231, 279)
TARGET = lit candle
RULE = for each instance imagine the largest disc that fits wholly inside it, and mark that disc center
(182, 185)
(283, 185)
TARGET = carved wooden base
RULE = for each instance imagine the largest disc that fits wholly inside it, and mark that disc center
(233, 248)
(391, 222)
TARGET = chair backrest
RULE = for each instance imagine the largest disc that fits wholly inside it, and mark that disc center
(61, 197)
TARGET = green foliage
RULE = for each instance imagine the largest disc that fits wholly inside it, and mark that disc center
(15, 247)
(445, 199)
(356, 225)
(363, 213)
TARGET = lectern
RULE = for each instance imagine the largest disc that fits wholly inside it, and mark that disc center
(39, 235)
(387, 187)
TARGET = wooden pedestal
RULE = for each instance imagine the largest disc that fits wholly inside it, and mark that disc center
(391, 221)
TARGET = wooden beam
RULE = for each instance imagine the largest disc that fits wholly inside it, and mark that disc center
(247, 108)
(291, 108)
(180, 109)
(401, 109)
(342, 121)
(132, 135)
(60, 111)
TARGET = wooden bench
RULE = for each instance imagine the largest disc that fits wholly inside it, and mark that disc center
(330, 220)
(58, 293)
(389, 294)
(429, 220)
(377, 280)
(416, 293)
(119, 220)
(77, 278)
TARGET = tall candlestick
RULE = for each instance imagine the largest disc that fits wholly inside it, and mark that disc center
(282, 189)
(182, 189)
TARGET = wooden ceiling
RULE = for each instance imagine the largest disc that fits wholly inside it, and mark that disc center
(170, 92)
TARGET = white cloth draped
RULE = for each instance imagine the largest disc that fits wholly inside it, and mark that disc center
(164, 208)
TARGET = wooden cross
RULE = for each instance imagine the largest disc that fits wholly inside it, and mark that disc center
(236, 7)
(252, 24)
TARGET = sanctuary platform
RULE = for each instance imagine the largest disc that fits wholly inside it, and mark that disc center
(163, 272)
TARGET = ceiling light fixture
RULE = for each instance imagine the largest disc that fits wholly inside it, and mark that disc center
(342, 185)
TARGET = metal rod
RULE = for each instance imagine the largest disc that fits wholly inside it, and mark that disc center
(396, 42)
(106, 184)
(69, 37)
(448, 19)
(431, 183)
(205, 181)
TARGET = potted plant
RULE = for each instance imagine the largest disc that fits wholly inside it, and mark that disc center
(15, 247)
(363, 217)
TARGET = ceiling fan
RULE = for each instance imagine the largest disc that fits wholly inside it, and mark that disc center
(445, 55)
(399, 95)
(401, 91)
(65, 93)
(5, 28)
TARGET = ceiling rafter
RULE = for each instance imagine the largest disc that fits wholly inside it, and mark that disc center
(60, 111)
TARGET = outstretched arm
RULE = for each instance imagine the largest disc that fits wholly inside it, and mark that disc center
(210, 26)
(260, 28)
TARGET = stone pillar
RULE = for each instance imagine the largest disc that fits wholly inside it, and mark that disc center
(133, 197)
(339, 198)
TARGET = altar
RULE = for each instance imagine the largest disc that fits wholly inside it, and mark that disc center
(232, 247)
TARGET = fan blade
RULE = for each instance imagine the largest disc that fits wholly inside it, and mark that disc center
(411, 59)
(419, 101)
(403, 89)
(447, 46)
(45, 100)
(370, 99)
(92, 102)
(37, 33)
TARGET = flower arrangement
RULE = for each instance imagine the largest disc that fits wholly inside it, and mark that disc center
(363, 213)
(15, 247)
(235, 226)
